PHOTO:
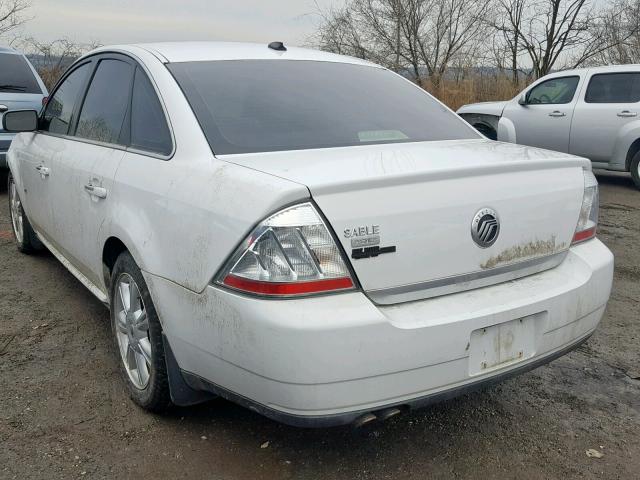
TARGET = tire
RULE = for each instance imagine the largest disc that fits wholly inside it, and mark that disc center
(635, 170)
(137, 335)
(26, 239)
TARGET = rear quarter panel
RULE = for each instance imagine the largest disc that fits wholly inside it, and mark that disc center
(181, 218)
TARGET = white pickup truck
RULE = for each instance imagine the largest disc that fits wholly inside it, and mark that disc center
(590, 112)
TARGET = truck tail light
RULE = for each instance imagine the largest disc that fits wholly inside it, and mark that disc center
(588, 220)
(291, 253)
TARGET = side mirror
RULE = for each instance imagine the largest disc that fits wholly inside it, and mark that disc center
(522, 99)
(20, 121)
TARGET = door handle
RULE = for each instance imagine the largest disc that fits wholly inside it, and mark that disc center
(557, 113)
(44, 171)
(627, 113)
(98, 192)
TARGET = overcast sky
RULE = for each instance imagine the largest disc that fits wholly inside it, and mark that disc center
(126, 21)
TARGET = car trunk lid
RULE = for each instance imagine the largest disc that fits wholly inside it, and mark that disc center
(404, 212)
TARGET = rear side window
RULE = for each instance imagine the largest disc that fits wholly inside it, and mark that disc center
(553, 91)
(105, 106)
(16, 75)
(57, 115)
(614, 88)
(149, 130)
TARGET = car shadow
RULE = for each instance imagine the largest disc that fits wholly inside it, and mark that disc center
(617, 179)
(397, 438)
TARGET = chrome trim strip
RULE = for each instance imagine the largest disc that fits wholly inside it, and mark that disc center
(467, 281)
(99, 294)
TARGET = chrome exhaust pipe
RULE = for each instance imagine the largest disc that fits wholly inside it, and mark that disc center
(365, 419)
(388, 413)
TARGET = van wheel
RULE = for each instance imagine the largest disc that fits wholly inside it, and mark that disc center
(26, 239)
(138, 337)
(635, 169)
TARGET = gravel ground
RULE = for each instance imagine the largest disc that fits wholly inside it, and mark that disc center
(64, 412)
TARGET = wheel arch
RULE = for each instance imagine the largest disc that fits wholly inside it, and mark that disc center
(631, 152)
(111, 250)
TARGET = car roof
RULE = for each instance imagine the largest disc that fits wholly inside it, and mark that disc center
(170, 52)
(8, 50)
(600, 69)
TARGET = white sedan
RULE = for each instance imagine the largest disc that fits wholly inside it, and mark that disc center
(591, 112)
(306, 234)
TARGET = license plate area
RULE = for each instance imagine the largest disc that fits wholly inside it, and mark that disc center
(501, 345)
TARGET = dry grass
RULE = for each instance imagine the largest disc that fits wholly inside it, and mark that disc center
(50, 75)
(477, 88)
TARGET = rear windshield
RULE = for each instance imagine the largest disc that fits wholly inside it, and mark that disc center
(16, 75)
(249, 106)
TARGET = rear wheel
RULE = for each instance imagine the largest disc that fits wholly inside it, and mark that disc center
(138, 337)
(635, 169)
(26, 239)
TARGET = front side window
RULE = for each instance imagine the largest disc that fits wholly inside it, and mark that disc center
(16, 75)
(553, 91)
(149, 130)
(105, 106)
(614, 88)
(247, 106)
(57, 115)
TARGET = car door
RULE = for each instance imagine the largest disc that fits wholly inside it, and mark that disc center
(87, 166)
(545, 119)
(611, 101)
(37, 162)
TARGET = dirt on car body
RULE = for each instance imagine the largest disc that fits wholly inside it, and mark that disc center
(64, 411)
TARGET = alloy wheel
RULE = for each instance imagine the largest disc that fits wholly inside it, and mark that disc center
(15, 206)
(132, 330)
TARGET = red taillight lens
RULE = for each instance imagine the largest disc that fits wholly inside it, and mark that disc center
(588, 220)
(44, 101)
(285, 289)
(584, 235)
(290, 253)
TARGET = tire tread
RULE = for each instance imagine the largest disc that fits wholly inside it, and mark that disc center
(156, 396)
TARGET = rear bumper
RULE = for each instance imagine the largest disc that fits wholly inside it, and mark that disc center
(326, 360)
(323, 421)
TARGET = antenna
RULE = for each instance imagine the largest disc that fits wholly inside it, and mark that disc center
(279, 46)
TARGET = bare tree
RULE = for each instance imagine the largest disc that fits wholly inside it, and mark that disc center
(12, 15)
(508, 24)
(421, 35)
(52, 58)
(550, 33)
(338, 34)
(619, 29)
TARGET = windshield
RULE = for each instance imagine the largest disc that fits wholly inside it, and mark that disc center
(249, 106)
(16, 75)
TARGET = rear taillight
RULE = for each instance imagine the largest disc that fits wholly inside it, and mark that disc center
(588, 220)
(291, 253)
(44, 101)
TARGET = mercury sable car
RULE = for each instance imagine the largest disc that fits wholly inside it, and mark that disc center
(588, 112)
(309, 235)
